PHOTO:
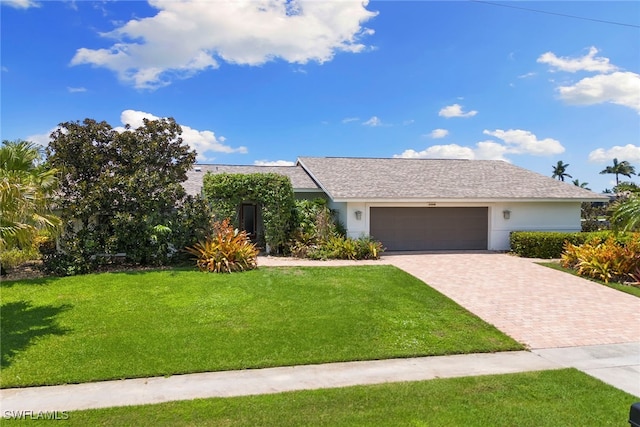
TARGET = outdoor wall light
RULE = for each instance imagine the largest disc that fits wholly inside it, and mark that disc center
(506, 214)
(358, 215)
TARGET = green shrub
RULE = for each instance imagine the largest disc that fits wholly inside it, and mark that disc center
(368, 248)
(319, 235)
(14, 257)
(143, 242)
(226, 251)
(339, 247)
(605, 260)
(548, 244)
(272, 193)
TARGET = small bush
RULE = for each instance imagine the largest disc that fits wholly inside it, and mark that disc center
(14, 257)
(319, 235)
(346, 248)
(609, 260)
(548, 244)
(226, 251)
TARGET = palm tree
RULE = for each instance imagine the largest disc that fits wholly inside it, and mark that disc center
(622, 168)
(626, 214)
(560, 171)
(577, 183)
(26, 188)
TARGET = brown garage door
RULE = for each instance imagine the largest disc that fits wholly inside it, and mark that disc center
(429, 229)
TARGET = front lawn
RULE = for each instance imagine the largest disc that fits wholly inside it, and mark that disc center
(139, 324)
(633, 290)
(548, 398)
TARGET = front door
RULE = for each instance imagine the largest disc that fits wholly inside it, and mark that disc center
(248, 219)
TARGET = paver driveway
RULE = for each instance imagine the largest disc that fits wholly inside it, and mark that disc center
(538, 306)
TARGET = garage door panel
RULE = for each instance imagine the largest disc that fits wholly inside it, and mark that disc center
(430, 228)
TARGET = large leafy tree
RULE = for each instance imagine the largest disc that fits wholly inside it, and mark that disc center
(120, 188)
(619, 168)
(26, 190)
(560, 171)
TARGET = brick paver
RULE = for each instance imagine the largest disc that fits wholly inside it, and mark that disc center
(538, 306)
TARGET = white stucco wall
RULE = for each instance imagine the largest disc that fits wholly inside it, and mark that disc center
(533, 216)
(539, 216)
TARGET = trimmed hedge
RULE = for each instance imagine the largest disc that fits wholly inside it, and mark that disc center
(548, 244)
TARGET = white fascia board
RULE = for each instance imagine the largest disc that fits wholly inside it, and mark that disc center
(308, 190)
(438, 200)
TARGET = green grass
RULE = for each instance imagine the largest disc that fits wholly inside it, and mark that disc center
(548, 398)
(633, 290)
(127, 325)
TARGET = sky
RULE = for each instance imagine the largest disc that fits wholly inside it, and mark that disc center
(268, 81)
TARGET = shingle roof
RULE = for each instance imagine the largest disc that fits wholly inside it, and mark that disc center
(345, 178)
(300, 180)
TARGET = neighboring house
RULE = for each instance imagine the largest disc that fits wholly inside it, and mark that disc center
(429, 204)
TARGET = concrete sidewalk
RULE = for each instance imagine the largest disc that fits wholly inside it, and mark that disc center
(265, 381)
(615, 364)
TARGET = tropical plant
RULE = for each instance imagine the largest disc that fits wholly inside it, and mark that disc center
(227, 250)
(26, 189)
(626, 213)
(577, 183)
(608, 260)
(626, 188)
(619, 168)
(320, 235)
(560, 171)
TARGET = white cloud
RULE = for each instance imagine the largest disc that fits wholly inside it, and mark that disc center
(484, 150)
(514, 142)
(455, 110)
(350, 119)
(373, 122)
(274, 163)
(629, 152)
(526, 75)
(408, 122)
(41, 138)
(76, 89)
(202, 141)
(438, 133)
(450, 151)
(524, 142)
(490, 150)
(190, 36)
(622, 88)
(589, 62)
(21, 4)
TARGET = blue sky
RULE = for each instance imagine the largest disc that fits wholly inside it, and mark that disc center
(264, 82)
